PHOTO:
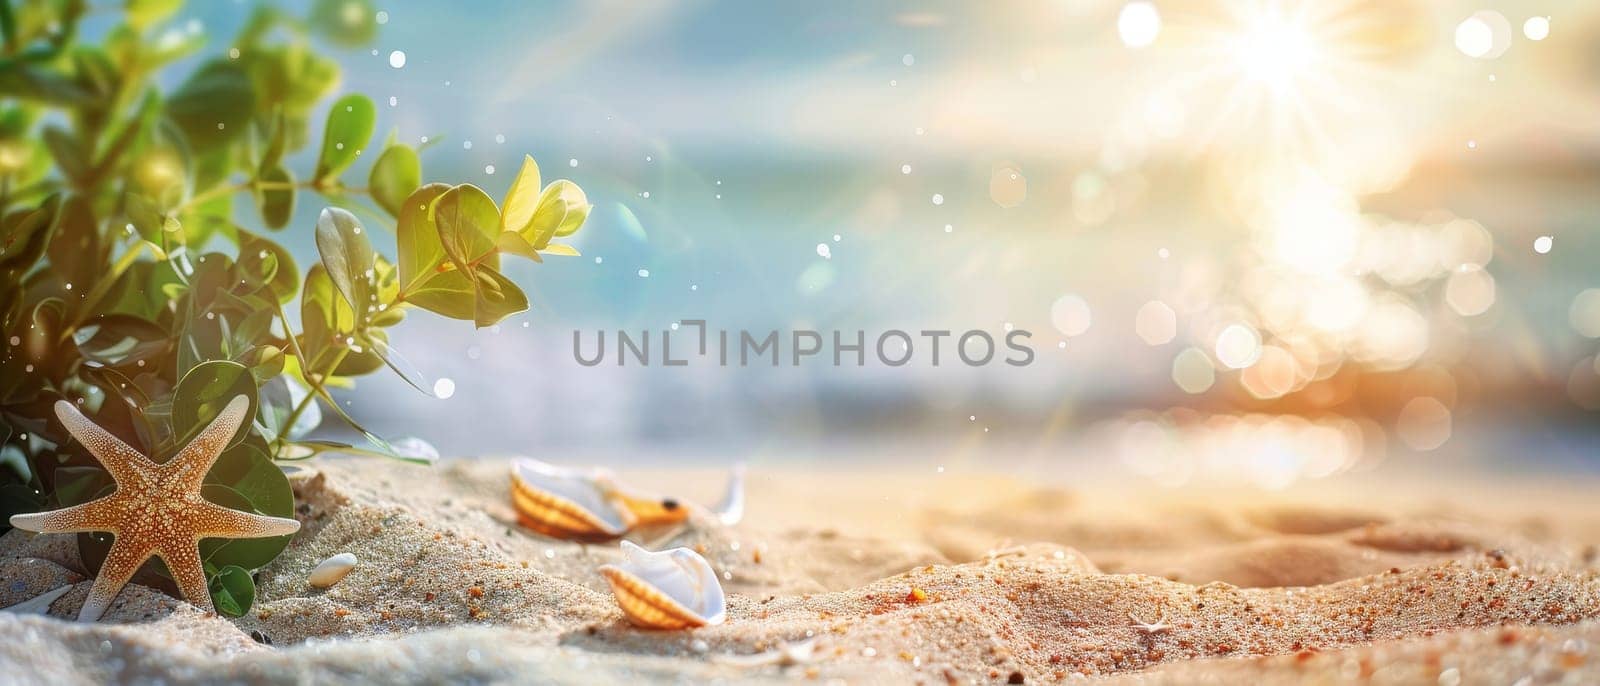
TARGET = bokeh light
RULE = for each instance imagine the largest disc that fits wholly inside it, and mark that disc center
(1156, 323)
(1138, 24)
(1070, 315)
(1424, 424)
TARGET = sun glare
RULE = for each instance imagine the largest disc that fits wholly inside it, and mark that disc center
(1275, 51)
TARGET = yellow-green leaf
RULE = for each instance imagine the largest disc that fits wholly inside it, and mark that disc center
(394, 176)
(417, 237)
(523, 197)
(497, 297)
(513, 243)
(468, 222)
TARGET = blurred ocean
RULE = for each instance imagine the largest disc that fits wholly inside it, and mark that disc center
(724, 142)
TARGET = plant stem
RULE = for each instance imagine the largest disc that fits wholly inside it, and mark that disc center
(316, 387)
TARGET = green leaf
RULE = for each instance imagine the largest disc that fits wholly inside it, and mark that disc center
(497, 297)
(468, 222)
(523, 197)
(279, 397)
(245, 480)
(325, 319)
(69, 154)
(120, 339)
(74, 250)
(204, 391)
(143, 13)
(417, 237)
(233, 591)
(348, 257)
(265, 262)
(328, 325)
(395, 176)
(81, 484)
(214, 105)
(350, 23)
(40, 83)
(25, 236)
(349, 128)
(277, 200)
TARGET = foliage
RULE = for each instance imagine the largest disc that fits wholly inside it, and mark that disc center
(113, 195)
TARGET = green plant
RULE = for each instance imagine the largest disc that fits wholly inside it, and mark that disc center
(112, 195)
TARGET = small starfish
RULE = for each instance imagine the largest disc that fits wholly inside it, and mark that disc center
(1150, 628)
(156, 509)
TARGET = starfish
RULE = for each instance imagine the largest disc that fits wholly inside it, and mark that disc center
(155, 510)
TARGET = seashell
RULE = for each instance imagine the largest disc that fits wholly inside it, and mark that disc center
(331, 570)
(584, 505)
(39, 604)
(731, 509)
(671, 589)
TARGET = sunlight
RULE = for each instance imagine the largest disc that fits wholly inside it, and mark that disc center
(1276, 52)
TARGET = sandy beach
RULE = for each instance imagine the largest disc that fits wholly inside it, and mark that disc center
(866, 577)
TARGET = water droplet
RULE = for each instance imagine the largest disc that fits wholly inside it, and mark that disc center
(644, 273)
(444, 387)
(824, 251)
(488, 169)
(393, 101)
(938, 199)
(382, 17)
(499, 138)
(466, 145)
(572, 162)
(397, 59)
(905, 169)
(1543, 244)
(908, 59)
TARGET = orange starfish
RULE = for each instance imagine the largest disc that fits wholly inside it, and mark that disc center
(156, 509)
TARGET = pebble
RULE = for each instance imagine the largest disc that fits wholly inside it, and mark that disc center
(331, 570)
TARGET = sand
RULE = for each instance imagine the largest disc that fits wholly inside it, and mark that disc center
(874, 576)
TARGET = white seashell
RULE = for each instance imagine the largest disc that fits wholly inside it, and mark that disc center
(731, 509)
(331, 570)
(415, 448)
(671, 589)
(583, 504)
(39, 604)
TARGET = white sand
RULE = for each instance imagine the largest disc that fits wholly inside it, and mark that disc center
(449, 588)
